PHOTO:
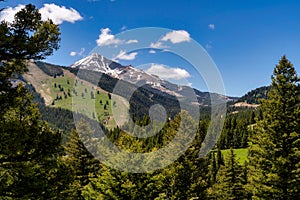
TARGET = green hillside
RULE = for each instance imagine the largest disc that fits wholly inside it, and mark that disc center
(64, 90)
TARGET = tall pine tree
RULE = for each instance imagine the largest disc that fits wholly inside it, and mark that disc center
(29, 150)
(274, 158)
(81, 162)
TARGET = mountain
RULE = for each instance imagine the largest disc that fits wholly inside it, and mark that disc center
(98, 78)
(98, 63)
(255, 95)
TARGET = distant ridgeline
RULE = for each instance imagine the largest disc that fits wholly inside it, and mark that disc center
(253, 96)
(142, 98)
(49, 69)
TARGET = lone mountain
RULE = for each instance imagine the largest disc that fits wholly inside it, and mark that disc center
(98, 63)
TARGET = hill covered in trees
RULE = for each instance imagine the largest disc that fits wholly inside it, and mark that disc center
(254, 96)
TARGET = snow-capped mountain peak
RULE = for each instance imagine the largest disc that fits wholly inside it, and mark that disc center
(99, 63)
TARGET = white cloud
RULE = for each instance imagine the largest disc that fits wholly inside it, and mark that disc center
(211, 26)
(8, 14)
(152, 51)
(58, 14)
(174, 37)
(73, 53)
(132, 41)
(167, 73)
(80, 53)
(158, 45)
(177, 36)
(123, 56)
(106, 38)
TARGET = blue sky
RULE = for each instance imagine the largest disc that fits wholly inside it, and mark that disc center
(245, 39)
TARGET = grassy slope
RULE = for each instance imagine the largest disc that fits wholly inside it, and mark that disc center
(241, 154)
(82, 102)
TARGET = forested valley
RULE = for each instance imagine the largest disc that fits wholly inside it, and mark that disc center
(43, 153)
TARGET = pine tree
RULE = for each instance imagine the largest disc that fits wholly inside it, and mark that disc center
(29, 150)
(79, 159)
(92, 95)
(29, 153)
(274, 158)
(183, 179)
(220, 160)
(212, 168)
(229, 181)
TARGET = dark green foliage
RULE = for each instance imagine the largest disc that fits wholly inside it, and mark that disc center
(230, 181)
(81, 162)
(254, 96)
(33, 164)
(26, 151)
(30, 165)
(274, 157)
(220, 160)
(213, 169)
(236, 130)
(183, 179)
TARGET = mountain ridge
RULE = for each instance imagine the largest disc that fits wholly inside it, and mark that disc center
(98, 63)
(143, 97)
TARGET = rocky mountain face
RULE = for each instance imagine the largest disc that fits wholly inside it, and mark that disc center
(98, 63)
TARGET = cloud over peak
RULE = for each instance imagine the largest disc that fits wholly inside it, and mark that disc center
(124, 56)
(177, 36)
(107, 38)
(168, 73)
